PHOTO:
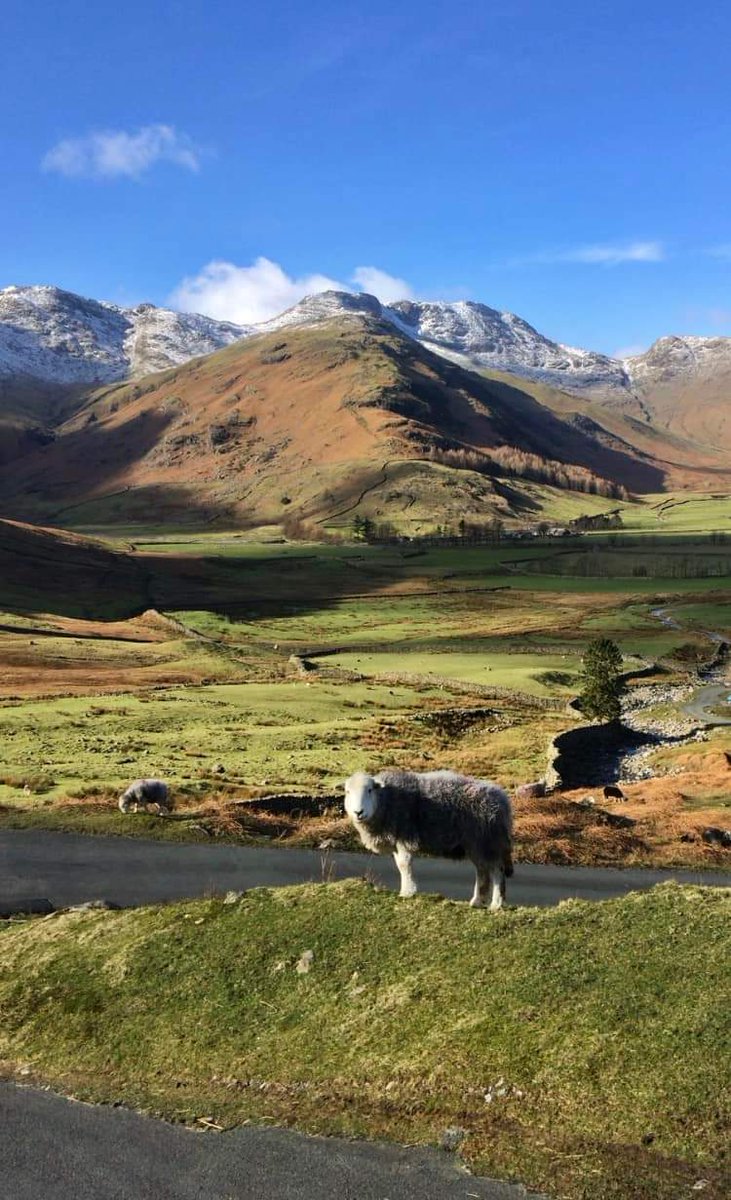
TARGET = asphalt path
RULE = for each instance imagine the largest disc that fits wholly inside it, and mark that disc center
(57, 1149)
(70, 869)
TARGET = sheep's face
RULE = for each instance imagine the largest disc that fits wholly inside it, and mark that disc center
(361, 797)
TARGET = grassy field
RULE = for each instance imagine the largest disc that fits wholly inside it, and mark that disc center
(664, 515)
(686, 513)
(282, 734)
(214, 703)
(558, 1040)
(87, 705)
(388, 634)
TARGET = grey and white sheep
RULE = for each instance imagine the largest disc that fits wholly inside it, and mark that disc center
(440, 813)
(143, 792)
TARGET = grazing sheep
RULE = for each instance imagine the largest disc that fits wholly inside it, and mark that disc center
(612, 792)
(143, 792)
(437, 812)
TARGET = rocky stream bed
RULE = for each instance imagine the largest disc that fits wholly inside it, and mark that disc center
(592, 755)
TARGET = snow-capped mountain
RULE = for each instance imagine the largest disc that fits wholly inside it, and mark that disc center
(505, 342)
(57, 337)
(471, 334)
(475, 335)
(678, 360)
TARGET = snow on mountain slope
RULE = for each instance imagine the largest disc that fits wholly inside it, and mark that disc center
(678, 360)
(505, 342)
(472, 334)
(475, 335)
(324, 306)
(57, 337)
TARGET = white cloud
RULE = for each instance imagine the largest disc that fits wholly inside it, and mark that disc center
(379, 283)
(248, 295)
(629, 351)
(600, 254)
(113, 153)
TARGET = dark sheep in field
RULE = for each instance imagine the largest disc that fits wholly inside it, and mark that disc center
(440, 813)
(612, 792)
(717, 837)
(143, 792)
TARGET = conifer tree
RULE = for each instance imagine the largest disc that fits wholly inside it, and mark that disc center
(601, 694)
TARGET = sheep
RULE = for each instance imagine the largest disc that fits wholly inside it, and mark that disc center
(612, 792)
(436, 812)
(143, 792)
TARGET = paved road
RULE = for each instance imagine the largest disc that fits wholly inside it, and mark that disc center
(69, 869)
(55, 1149)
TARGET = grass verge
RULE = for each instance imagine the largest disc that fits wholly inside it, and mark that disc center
(580, 1048)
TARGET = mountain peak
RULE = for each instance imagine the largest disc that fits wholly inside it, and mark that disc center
(324, 306)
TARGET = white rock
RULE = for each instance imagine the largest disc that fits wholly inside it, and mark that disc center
(305, 961)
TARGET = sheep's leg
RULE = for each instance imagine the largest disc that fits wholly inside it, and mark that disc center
(497, 887)
(482, 884)
(403, 862)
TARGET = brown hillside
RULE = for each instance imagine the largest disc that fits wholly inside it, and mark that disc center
(50, 570)
(310, 421)
(682, 429)
(29, 413)
(698, 410)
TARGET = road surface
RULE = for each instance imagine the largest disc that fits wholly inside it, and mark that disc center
(68, 868)
(56, 1149)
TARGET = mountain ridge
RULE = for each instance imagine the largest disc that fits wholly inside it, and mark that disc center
(667, 410)
(85, 341)
(307, 421)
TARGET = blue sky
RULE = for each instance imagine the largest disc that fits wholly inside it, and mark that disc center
(566, 161)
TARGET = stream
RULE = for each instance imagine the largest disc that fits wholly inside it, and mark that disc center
(696, 704)
(715, 689)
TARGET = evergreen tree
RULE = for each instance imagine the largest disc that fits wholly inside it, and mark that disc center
(602, 686)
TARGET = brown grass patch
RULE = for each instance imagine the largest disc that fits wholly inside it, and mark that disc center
(668, 809)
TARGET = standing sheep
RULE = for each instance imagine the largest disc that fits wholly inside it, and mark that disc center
(143, 792)
(438, 812)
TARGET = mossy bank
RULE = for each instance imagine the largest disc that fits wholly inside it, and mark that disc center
(582, 1049)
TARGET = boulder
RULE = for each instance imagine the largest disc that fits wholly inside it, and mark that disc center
(530, 791)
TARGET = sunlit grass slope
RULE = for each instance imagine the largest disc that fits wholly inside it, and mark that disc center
(598, 1030)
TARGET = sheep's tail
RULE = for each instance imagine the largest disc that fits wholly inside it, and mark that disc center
(508, 862)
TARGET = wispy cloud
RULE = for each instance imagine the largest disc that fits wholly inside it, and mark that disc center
(115, 153)
(247, 295)
(723, 251)
(601, 254)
